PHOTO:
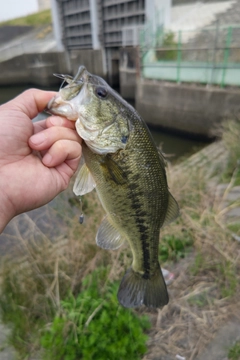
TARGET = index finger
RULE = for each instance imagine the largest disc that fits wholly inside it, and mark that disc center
(32, 101)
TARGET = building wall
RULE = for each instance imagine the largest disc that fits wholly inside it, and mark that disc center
(76, 23)
(119, 15)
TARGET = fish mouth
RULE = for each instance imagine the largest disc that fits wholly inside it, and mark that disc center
(63, 103)
(57, 106)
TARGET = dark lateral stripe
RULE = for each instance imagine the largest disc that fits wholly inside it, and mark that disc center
(145, 247)
(135, 193)
(143, 230)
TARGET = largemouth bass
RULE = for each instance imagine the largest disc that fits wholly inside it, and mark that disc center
(124, 165)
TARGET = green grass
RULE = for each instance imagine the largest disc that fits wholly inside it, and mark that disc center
(234, 351)
(224, 272)
(235, 227)
(41, 18)
(89, 324)
(200, 300)
(173, 247)
(94, 326)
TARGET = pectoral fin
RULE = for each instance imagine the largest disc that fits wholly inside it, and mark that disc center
(172, 210)
(108, 237)
(84, 182)
(114, 171)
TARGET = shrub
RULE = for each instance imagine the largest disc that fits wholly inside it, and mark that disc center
(166, 40)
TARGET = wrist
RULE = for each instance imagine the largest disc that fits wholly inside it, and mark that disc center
(6, 209)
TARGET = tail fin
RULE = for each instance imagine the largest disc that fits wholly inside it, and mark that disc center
(135, 291)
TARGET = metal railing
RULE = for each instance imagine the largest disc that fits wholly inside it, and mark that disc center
(208, 56)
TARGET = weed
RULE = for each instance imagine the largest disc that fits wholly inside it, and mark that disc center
(173, 247)
(228, 278)
(200, 300)
(197, 265)
(234, 227)
(94, 326)
(231, 134)
(234, 351)
(166, 40)
(24, 310)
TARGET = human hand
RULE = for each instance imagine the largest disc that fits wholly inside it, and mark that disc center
(37, 160)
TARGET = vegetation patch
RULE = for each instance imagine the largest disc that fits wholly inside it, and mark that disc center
(234, 351)
(37, 19)
(60, 299)
(167, 42)
(173, 247)
(94, 326)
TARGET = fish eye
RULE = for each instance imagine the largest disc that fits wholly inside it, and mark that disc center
(101, 92)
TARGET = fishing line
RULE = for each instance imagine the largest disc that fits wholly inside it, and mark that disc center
(73, 82)
(81, 217)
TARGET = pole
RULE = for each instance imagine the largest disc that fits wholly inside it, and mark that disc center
(226, 54)
(179, 55)
(214, 52)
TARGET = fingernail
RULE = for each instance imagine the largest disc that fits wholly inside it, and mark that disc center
(57, 121)
(47, 159)
(37, 139)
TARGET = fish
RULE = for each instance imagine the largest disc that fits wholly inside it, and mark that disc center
(121, 161)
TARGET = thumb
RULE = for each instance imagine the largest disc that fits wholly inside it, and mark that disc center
(31, 102)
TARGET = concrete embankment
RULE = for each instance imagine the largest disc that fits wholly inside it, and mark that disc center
(189, 108)
(38, 68)
(186, 108)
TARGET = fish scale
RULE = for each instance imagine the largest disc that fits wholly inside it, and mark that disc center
(127, 203)
(124, 165)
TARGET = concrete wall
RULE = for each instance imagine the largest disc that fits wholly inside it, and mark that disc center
(35, 69)
(38, 69)
(128, 71)
(186, 108)
(92, 59)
